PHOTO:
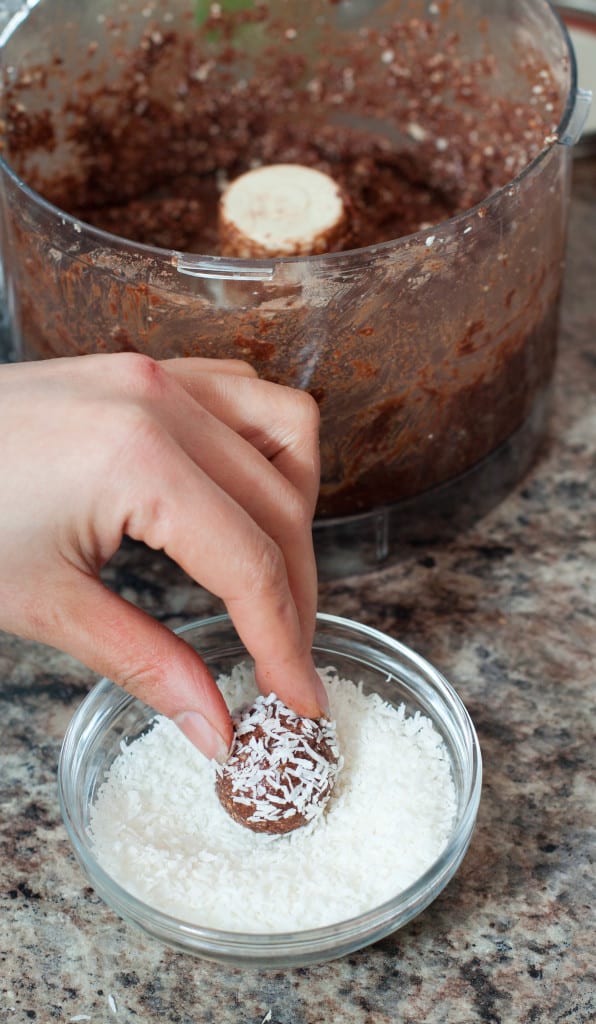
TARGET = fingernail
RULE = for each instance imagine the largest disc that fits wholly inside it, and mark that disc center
(202, 734)
(322, 697)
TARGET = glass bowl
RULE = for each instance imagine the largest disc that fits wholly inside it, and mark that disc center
(109, 715)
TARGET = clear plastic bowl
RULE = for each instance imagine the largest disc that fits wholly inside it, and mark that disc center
(427, 353)
(108, 715)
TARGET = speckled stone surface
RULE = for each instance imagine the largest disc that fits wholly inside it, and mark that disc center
(508, 613)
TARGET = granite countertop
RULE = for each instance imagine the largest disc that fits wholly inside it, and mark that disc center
(507, 611)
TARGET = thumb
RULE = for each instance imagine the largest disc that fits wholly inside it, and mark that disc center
(128, 646)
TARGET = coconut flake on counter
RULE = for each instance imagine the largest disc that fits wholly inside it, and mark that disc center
(158, 829)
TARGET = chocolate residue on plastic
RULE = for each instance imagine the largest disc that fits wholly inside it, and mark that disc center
(154, 146)
(426, 359)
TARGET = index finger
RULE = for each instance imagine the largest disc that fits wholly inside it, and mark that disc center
(171, 504)
(281, 422)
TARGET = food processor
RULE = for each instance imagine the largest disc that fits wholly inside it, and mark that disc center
(428, 339)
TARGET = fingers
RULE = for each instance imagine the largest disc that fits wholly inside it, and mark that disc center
(171, 503)
(282, 423)
(233, 367)
(275, 504)
(257, 441)
(125, 644)
(253, 423)
(225, 482)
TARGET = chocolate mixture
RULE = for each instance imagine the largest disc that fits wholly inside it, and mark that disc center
(143, 138)
(403, 122)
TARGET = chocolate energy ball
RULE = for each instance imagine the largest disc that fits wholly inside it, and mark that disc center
(281, 770)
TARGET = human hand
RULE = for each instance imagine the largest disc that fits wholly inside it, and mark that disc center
(197, 457)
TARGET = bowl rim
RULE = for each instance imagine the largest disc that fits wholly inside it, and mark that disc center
(367, 926)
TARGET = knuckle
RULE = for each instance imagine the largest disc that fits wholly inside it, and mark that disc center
(297, 511)
(143, 679)
(307, 412)
(141, 377)
(267, 574)
(239, 367)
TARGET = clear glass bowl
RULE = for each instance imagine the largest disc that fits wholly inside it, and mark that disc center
(108, 715)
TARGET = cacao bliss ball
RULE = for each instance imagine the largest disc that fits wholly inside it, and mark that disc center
(281, 770)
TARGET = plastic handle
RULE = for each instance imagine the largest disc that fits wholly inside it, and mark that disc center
(224, 271)
(579, 116)
(8, 8)
(12, 13)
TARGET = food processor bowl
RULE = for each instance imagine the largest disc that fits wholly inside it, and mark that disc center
(430, 354)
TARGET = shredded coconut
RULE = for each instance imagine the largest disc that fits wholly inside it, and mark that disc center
(158, 828)
(281, 770)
